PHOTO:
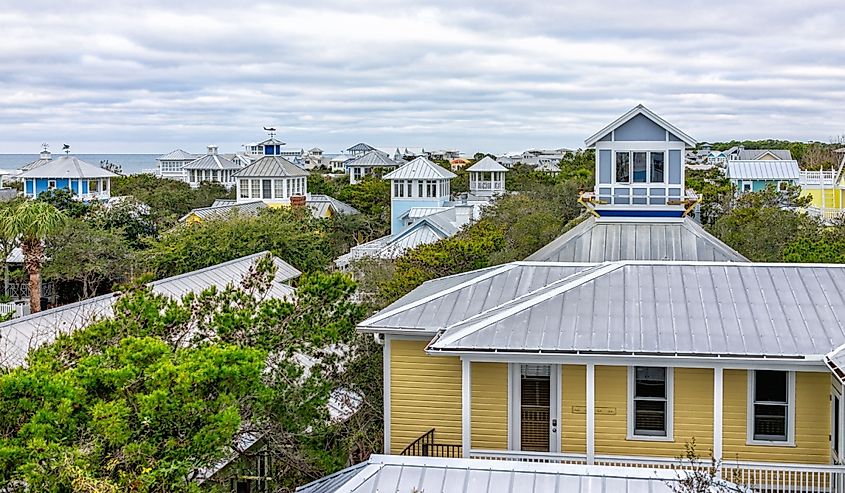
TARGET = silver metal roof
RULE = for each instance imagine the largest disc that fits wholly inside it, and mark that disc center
(605, 240)
(211, 161)
(178, 155)
(19, 335)
(374, 158)
(669, 309)
(420, 169)
(67, 167)
(486, 164)
(361, 147)
(763, 170)
(319, 200)
(223, 210)
(386, 473)
(271, 167)
(443, 302)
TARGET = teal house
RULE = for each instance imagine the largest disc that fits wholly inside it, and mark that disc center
(85, 181)
(420, 183)
(756, 175)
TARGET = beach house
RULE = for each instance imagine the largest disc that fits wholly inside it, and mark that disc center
(86, 181)
(172, 164)
(624, 340)
(826, 187)
(212, 168)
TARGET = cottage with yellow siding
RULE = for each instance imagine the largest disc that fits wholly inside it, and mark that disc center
(827, 189)
(627, 357)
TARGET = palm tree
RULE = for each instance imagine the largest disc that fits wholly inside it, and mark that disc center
(32, 221)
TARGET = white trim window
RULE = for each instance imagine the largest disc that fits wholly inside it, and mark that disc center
(255, 191)
(746, 186)
(771, 407)
(244, 186)
(650, 403)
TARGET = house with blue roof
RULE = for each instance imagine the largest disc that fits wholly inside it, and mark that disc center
(86, 181)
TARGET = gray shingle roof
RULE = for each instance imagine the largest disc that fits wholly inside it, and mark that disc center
(67, 167)
(487, 164)
(420, 169)
(211, 161)
(19, 335)
(763, 170)
(605, 240)
(385, 473)
(178, 155)
(700, 309)
(443, 302)
(271, 167)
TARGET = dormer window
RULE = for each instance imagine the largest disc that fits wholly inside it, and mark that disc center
(640, 167)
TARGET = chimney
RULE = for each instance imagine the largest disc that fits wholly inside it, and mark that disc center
(297, 201)
(212, 150)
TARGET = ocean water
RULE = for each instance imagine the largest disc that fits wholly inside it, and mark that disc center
(131, 163)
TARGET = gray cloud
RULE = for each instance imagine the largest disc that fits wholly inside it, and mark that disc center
(495, 75)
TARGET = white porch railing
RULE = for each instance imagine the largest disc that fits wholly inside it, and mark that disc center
(19, 308)
(827, 178)
(758, 476)
(487, 185)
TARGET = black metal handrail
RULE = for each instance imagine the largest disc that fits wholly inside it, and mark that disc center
(425, 446)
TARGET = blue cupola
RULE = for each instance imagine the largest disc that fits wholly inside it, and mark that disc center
(420, 183)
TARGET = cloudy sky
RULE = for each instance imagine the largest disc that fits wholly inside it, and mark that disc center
(495, 75)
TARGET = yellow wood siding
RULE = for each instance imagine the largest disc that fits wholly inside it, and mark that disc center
(489, 406)
(812, 421)
(831, 198)
(574, 425)
(425, 393)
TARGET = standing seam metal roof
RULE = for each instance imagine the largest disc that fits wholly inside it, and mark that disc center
(19, 335)
(211, 161)
(271, 167)
(486, 164)
(670, 308)
(374, 158)
(452, 475)
(763, 170)
(420, 169)
(67, 167)
(605, 240)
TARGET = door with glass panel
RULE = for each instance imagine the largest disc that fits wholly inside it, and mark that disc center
(537, 408)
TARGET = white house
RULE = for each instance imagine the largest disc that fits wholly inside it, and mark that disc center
(486, 177)
(367, 163)
(171, 165)
(211, 168)
(272, 179)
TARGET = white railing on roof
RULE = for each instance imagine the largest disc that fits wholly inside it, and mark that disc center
(19, 308)
(769, 477)
(826, 214)
(818, 177)
(487, 185)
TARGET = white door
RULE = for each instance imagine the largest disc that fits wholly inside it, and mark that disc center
(535, 408)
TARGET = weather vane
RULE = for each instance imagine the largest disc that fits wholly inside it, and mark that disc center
(66, 148)
(45, 147)
(271, 131)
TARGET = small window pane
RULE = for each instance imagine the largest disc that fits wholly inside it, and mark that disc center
(769, 422)
(651, 382)
(640, 167)
(657, 167)
(650, 418)
(770, 386)
(623, 168)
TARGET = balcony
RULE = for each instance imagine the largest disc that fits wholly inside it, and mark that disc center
(487, 185)
(822, 178)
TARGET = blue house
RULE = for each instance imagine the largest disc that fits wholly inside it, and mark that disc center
(420, 183)
(756, 175)
(86, 181)
(639, 167)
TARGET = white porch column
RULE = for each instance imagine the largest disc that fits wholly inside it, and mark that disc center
(718, 387)
(466, 403)
(591, 413)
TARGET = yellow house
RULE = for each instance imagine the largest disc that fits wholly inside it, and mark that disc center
(622, 363)
(827, 189)
(627, 338)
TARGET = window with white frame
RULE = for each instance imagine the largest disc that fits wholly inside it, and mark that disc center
(256, 188)
(93, 186)
(783, 186)
(650, 402)
(244, 189)
(51, 184)
(279, 189)
(746, 186)
(771, 406)
(623, 167)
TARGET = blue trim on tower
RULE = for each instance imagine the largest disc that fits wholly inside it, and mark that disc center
(639, 213)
